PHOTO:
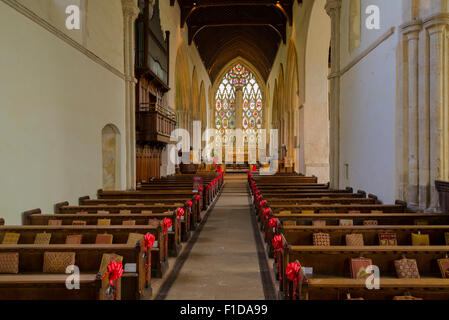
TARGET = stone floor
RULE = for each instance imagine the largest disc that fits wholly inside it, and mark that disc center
(222, 262)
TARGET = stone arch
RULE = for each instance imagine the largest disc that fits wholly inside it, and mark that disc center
(183, 89)
(203, 106)
(111, 142)
(195, 96)
(274, 108)
(251, 68)
(280, 111)
(315, 109)
(292, 111)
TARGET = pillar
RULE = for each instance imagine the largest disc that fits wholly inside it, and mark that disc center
(411, 33)
(333, 9)
(130, 14)
(436, 27)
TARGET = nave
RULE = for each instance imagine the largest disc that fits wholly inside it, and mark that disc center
(223, 263)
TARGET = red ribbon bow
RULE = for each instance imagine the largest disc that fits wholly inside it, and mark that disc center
(179, 213)
(263, 203)
(258, 197)
(189, 204)
(149, 242)
(277, 242)
(266, 212)
(115, 271)
(201, 189)
(197, 197)
(166, 224)
(292, 273)
(277, 245)
(272, 223)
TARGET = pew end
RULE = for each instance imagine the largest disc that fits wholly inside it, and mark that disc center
(26, 215)
(2, 222)
(59, 205)
(362, 192)
(401, 203)
(82, 199)
(349, 189)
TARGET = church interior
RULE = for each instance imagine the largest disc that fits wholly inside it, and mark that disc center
(224, 150)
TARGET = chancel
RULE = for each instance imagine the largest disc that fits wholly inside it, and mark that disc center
(224, 150)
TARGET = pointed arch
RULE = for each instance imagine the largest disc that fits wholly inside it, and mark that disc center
(183, 91)
(203, 106)
(225, 104)
(248, 65)
(183, 82)
(275, 106)
(195, 95)
(295, 116)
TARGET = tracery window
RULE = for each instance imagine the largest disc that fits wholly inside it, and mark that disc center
(225, 102)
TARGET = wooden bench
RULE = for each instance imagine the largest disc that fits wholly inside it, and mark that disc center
(196, 210)
(156, 195)
(303, 235)
(383, 219)
(187, 222)
(32, 284)
(331, 273)
(159, 263)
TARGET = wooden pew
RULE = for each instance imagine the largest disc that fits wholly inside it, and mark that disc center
(310, 201)
(32, 284)
(159, 263)
(358, 218)
(156, 195)
(196, 209)
(331, 274)
(187, 222)
(339, 208)
(303, 235)
(35, 218)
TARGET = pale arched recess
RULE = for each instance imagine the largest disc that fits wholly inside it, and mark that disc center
(292, 112)
(280, 112)
(183, 90)
(110, 136)
(195, 96)
(203, 107)
(316, 105)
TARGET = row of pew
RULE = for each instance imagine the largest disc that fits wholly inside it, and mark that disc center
(296, 213)
(116, 243)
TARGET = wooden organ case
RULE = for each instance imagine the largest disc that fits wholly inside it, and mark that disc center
(154, 119)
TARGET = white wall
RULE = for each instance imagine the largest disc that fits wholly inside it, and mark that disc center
(54, 103)
(368, 105)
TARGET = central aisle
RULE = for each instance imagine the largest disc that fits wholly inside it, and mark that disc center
(223, 263)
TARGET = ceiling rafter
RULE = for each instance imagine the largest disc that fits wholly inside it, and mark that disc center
(223, 28)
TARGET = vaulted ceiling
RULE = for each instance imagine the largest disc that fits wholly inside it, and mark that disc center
(225, 29)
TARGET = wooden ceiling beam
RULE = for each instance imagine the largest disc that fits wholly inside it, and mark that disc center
(281, 29)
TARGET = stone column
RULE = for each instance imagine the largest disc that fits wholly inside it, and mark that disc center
(333, 9)
(238, 108)
(130, 14)
(411, 33)
(436, 27)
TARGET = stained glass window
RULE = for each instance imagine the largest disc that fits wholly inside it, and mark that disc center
(225, 102)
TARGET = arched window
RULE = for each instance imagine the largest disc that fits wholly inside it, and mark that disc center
(225, 102)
